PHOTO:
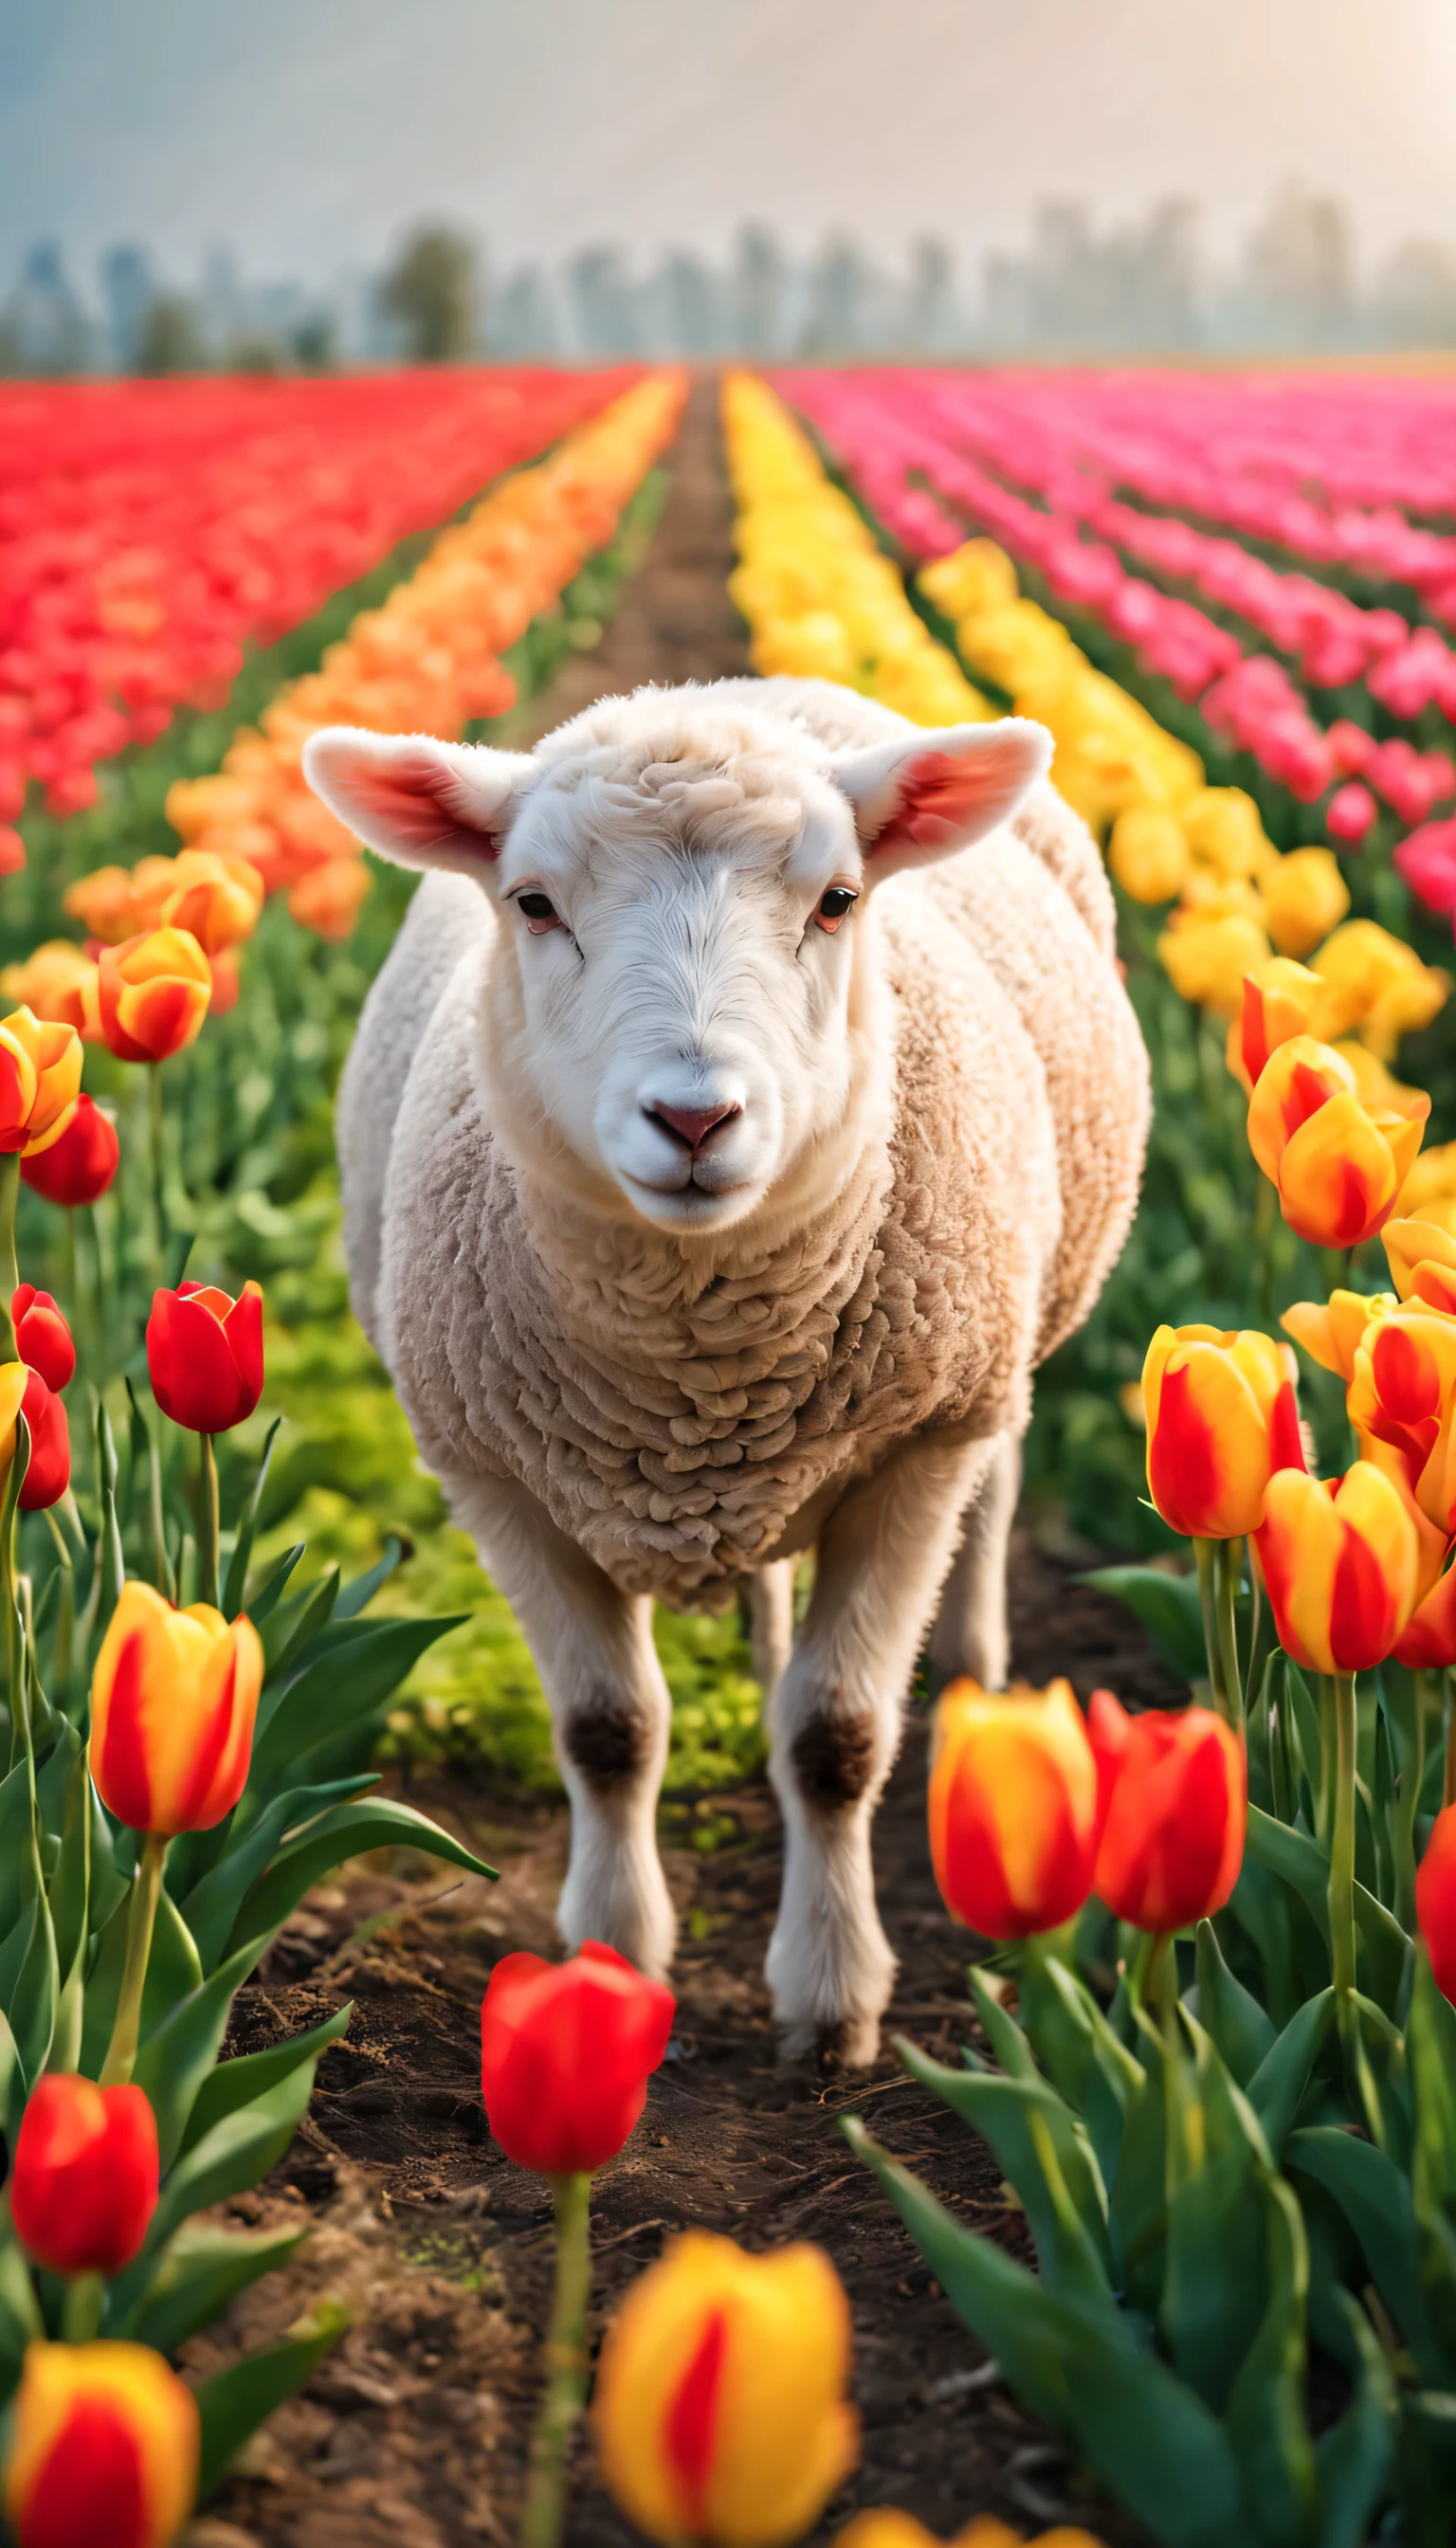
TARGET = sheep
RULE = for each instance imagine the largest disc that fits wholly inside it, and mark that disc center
(749, 1102)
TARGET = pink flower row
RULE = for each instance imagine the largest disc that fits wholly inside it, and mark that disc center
(149, 529)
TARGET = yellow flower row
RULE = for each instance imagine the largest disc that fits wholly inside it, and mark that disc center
(821, 599)
(427, 660)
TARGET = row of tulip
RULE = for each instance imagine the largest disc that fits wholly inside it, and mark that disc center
(427, 659)
(149, 530)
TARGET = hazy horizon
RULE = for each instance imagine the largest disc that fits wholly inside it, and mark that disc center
(308, 138)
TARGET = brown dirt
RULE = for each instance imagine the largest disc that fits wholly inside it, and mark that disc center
(415, 2431)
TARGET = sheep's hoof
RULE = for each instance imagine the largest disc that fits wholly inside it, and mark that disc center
(846, 2043)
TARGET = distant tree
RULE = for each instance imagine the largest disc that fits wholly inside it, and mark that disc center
(524, 328)
(430, 290)
(843, 303)
(127, 290)
(608, 303)
(169, 338)
(1415, 301)
(760, 289)
(692, 300)
(1298, 285)
(931, 322)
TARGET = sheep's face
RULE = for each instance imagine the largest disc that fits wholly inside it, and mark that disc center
(686, 968)
(681, 1001)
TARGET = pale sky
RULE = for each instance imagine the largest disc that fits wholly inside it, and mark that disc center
(306, 133)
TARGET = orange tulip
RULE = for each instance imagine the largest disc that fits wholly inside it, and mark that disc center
(39, 1078)
(720, 2410)
(154, 994)
(105, 2449)
(1338, 1165)
(1342, 1560)
(1435, 1899)
(1422, 1262)
(1222, 1418)
(173, 1700)
(1175, 1794)
(217, 899)
(1013, 1807)
(103, 903)
(328, 898)
(887, 2528)
(58, 982)
(1331, 1331)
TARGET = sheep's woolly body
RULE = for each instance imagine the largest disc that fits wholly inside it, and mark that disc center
(685, 1413)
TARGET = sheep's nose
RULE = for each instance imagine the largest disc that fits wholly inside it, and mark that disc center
(694, 1125)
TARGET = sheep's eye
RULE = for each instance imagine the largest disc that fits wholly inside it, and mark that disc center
(836, 906)
(538, 912)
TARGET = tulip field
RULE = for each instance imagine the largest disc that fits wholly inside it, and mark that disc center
(337, 2202)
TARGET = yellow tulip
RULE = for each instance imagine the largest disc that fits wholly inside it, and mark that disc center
(1388, 990)
(1207, 958)
(1148, 853)
(720, 2410)
(1305, 895)
(1223, 831)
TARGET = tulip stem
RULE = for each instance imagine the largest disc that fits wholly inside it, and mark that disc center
(1341, 1897)
(158, 1168)
(1424, 1698)
(9, 1270)
(146, 1888)
(210, 1522)
(544, 2517)
(1216, 1572)
(80, 2316)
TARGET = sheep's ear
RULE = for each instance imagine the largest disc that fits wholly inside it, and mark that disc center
(924, 796)
(419, 802)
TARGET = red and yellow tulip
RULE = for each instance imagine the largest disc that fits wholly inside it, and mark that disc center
(155, 993)
(1013, 1807)
(1343, 1561)
(104, 2451)
(173, 1700)
(40, 1079)
(720, 2407)
(1331, 1331)
(1336, 1165)
(1175, 1793)
(1222, 1418)
(1423, 1260)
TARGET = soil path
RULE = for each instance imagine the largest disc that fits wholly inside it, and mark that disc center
(413, 2434)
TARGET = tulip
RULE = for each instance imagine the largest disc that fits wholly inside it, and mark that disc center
(104, 904)
(1350, 812)
(1331, 1331)
(1147, 854)
(328, 899)
(173, 1700)
(1384, 981)
(58, 982)
(1400, 1400)
(1435, 1899)
(1422, 1256)
(1207, 958)
(40, 1077)
(1013, 1807)
(1338, 1165)
(105, 2449)
(204, 1355)
(1279, 1001)
(1222, 1418)
(1428, 1641)
(77, 1163)
(566, 2053)
(41, 1334)
(720, 2411)
(217, 899)
(48, 1473)
(11, 850)
(1305, 896)
(887, 2528)
(154, 991)
(1223, 831)
(1176, 1802)
(1342, 1560)
(83, 2186)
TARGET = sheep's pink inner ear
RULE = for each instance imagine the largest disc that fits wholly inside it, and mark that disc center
(944, 795)
(407, 799)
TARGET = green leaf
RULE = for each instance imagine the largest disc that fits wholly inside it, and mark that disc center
(35, 1996)
(1096, 2073)
(234, 2154)
(1266, 2420)
(1138, 2209)
(1065, 2206)
(356, 1596)
(199, 2271)
(176, 2061)
(14, 1824)
(173, 1974)
(361, 1665)
(270, 1592)
(252, 2074)
(1169, 1608)
(234, 2403)
(345, 1833)
(1297, 1859)
(21, 2323)
(1276, 2090)
(234, 1589)
(71, 1892)
(291, 1628)
(1374, 2199)
(1213, 2295)
(1240, 2029)
(1154, 2445)
(1355, 2457)
(212, 1905)
(1005, 2037)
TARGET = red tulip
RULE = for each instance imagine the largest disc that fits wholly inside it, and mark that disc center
(566, 2053)
(84, 2184)
(204, 1355)
(43, 1338)
(1435, 1899)
(79, 1166)
(49, 1472)
(1176, 1802)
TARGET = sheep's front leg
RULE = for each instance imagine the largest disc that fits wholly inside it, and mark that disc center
(610, 1712)
(835, 1726)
